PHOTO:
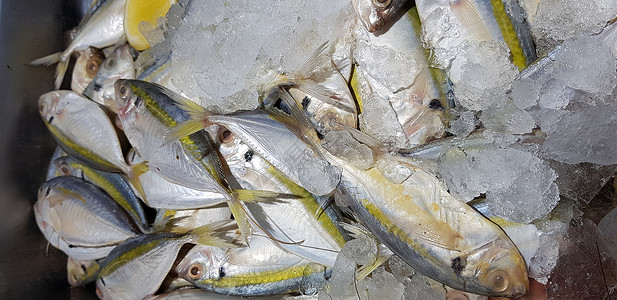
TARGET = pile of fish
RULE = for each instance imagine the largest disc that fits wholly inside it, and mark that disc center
(356, 153)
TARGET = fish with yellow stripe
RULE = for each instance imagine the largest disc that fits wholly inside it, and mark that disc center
(404, 101)
(147, 112)
(69, 210)
(262, 269)
(112, 183)
(434, 232)
(137, 267)
(307, 226)
(84, 131)
(447, 24)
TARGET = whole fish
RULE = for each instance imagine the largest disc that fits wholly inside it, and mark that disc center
(306, 226)
(119, 65)
(447, 24)
(163, 194)
(396, 85)
(262, 269)
(147, 112)
(275, 137)
(137, 267)
(103, 28)
(84, 131)
(374, 14)
(69, 211)
(81, 272)
(435, 233)
(112, 183)
(86, 67)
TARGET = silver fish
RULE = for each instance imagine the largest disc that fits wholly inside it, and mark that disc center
(69, 210)
(262, 269)
(85, 132)
(112, 183)
(395, 85)
(137, 267)
(312, 233)
(437, 234)
(103, 28)
(52, 171)
(119, 65)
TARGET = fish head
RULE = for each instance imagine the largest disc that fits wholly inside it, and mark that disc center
(496, 269)
(86, 68)
(374, 14)
(200, 264)
(50, 105)
(67, 166)
(80, 272)
(119, 65)
(126, 100)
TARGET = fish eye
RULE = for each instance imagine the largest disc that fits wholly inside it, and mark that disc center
(123, 92)
(225, 136)
(498, 281)
(92, 67)
(41, 107)
(65, 170)
(195, 271)
(110, 63)
(382, 3)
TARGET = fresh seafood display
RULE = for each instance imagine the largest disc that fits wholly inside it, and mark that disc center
(360, 149)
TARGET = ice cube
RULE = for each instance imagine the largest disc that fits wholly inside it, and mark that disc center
(581, 182)
(482, 73)
(519, 186)
(342, 144)
(422, 287)
(382, 285)
(464, 124)
(360, 251)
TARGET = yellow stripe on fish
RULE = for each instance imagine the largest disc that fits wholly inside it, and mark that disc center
(509, 34)
(264, 277)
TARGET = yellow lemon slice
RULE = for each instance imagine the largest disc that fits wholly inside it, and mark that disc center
(138, 11)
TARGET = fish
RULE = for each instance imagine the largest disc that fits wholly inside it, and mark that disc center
(159, 72)
(81, 272)
(103, 28)
(434, 232)
(147, 111)
(476, 20)
(86, 67)
(375, 14)
(119, 65)
(69, 210)
(193, 218)
(320, 90)
(83, 130)
(274, 136)
(137, 267)
(162, 194)
(262, 269)
(313, 232)
(405, 87)
(112, 183)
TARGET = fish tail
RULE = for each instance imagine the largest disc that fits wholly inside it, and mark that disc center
(133, 177)
(241, 217)
(210, 234)
(198, 120)
(60, 71)
(383, 254)
(47, 60)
